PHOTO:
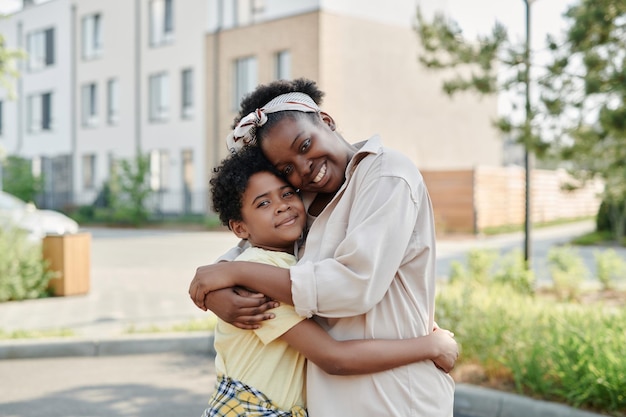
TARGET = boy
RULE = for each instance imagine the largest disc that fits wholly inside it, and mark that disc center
(263, 370)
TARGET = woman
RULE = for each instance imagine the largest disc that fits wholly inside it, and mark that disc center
(368, 267)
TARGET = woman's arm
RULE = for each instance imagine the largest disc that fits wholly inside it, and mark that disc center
(352, 357)
(270, 280)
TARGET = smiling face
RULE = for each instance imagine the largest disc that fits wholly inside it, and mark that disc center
(312, 156)
(273, 214)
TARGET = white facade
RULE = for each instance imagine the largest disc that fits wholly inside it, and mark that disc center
(25, 132)
(155, 77)
(116, 63)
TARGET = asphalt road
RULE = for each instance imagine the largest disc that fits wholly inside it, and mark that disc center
(147, 385)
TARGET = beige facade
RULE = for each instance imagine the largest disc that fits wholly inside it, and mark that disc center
(373, 81)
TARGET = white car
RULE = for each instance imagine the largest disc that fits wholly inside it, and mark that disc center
(37, 223)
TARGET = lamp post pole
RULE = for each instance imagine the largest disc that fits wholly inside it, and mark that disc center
(527, 143)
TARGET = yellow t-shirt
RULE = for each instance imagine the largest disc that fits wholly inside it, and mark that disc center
(258, 358)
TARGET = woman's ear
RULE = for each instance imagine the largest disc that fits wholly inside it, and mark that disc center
(326, 118)
(239, 228)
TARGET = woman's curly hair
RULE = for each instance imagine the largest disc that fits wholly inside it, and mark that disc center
(264, 93)
(230, 180)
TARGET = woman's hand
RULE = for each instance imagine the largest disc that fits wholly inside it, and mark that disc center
(240, 307)
(446, 348)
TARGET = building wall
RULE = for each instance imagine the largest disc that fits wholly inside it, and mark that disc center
(298, 34)
(105, 140)
(17, 140)
(375, 84)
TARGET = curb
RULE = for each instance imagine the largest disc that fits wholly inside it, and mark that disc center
(474, 401)
(469, 400)
(189, 342)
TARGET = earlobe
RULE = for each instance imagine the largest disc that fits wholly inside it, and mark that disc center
(326, 118)
(239, 229)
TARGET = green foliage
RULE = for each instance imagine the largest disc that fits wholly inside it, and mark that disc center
(23, 272)
(18, 179)
(478, 66)
(487, 267)
(609, 268)
(512, 271)
(8, 67)
(587, 81)
(562, 352)
(567, 270)
(126, 193)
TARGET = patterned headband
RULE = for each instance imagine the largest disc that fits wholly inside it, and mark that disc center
(244, 133)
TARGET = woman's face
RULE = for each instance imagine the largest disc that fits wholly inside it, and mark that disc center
(312, 156)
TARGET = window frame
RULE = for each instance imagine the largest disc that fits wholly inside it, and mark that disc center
(91, 36)
(159, 97)
(89, 104)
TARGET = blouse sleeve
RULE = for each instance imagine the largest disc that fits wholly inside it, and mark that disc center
(381, 226)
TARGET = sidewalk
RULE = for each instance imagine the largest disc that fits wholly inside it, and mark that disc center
(140, 279)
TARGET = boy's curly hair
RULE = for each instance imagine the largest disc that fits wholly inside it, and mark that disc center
(230, 180)
(264, 93)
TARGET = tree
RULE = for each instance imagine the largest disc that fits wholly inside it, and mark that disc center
(129, 190)
(584, 94)
(580, 117)
(18, 178)
(489, 65)
(8, 70)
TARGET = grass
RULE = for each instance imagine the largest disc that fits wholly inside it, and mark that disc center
(497, 230)
(35, 334)
(198, 325)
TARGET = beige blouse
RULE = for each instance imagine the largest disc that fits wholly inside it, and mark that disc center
(368, 272)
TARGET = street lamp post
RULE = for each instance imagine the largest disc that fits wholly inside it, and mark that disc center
(527, 153)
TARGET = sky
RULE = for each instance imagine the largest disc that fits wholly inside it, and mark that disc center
(478, 16)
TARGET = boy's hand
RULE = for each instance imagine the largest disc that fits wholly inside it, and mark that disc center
(240, 307)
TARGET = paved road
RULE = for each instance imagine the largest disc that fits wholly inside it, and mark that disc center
(151, 385)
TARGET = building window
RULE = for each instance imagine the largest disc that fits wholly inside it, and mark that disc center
(245, 79)
(113, 101)
(282, 65)
(247, 10)
(159, 97)
(92, 36)
(40, 48)
(159, 170)
(39, 115)
(90, 104)
(89, 171)
(161, 22)
(186, 93)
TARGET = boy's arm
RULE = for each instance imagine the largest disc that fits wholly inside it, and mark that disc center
(270, 280)
(353, 357)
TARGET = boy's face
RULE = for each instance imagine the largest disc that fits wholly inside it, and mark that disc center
(273, 214)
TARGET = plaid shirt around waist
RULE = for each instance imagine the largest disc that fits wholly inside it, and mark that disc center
(233, 398)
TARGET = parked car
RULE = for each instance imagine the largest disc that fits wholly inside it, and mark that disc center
(37, 223)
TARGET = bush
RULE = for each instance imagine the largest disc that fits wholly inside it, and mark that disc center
(571, 353)
(23, 272)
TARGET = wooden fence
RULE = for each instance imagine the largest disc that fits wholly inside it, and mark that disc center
(469, 201)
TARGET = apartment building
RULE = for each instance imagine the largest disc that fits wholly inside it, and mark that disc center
(111, 79)
(108, 80)
(364, 55)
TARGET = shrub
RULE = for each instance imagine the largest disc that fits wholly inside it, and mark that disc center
(570, 353)
(23, 272)
(609, 267)
(567, 270)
